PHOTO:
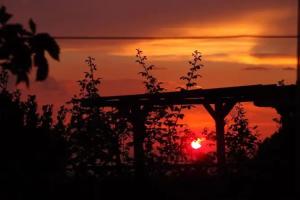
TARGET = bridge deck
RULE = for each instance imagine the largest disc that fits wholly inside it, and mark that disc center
(251, 93)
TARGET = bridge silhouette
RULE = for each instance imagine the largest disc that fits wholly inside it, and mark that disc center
(217, 101)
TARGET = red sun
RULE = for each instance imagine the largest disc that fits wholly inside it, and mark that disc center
(196, 144)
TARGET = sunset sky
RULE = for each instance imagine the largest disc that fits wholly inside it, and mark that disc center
(227, 62)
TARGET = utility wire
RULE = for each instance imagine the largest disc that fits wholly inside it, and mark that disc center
(173, 37)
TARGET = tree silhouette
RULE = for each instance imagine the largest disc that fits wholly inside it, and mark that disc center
(20, 49)
(276, 162)
(176, 132)
(241, 141)
(32, 156)
(164, 141)
(93, 135)
(31, 116)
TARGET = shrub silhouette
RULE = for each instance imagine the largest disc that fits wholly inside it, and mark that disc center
(32, 155)
(241, 141)
(93, 134)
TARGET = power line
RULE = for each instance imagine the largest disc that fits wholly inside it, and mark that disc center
(174, 37)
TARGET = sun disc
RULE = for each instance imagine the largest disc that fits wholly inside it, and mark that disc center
(196, 144)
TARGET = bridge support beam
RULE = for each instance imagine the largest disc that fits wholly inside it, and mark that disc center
(218, 113)
(139, 132)
(137, 116)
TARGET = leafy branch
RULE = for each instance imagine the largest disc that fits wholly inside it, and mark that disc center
(151, 83)
(20, 49)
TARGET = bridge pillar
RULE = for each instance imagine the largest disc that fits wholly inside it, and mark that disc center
(137, 116)
(218, 113)
(139, 132)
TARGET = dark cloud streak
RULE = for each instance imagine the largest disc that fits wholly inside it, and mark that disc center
(289, 69)
(256, 68)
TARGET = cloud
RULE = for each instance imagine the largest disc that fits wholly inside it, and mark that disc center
(165, 18)
(264, 68)
(272, 55)
(289, 69)
(130, 17)
(281, 52)
(256, 68)
(275, 47)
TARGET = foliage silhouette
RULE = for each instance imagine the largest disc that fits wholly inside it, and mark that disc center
(32, 156)
(21, 48)
(165, 138)
(87, 151)
(93, 134)
(276, 161)
(241, 140)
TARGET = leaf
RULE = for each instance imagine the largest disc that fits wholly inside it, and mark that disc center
(4, 16)
(20, 63)
(42, 64)
(43, 41)
(32, 26)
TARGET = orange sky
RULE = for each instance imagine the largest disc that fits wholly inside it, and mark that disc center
(229, 62)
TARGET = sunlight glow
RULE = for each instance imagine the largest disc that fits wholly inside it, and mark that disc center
(196, 144)
(179, 49)
(277, 60)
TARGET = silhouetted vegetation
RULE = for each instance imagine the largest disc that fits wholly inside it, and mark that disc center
(32, 154)
(20, 49)
(165, 138)
(91, 148)
(241, 140)
(92, 152)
